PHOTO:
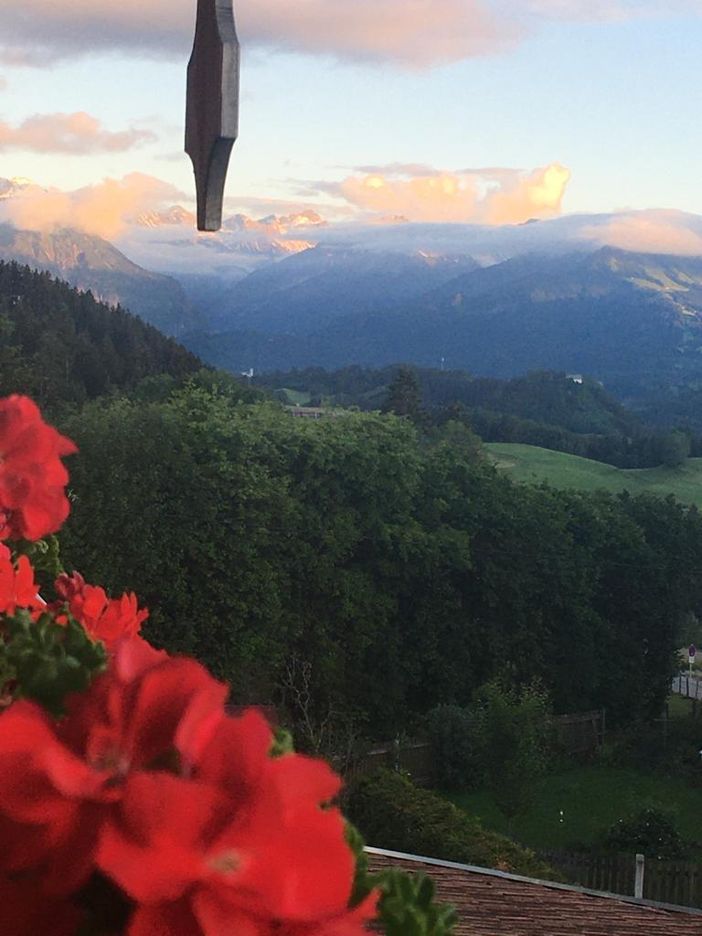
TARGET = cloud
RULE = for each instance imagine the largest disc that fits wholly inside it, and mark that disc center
(414, 33)
(415, 169)
(409, 32)
(649, 232)
(483, 196)
(103, 209)
(39, 32)
(77, 133)
(537, 195)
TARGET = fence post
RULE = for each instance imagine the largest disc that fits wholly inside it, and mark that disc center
(639, 880)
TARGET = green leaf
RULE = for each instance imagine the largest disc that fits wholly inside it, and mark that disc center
(49, 661)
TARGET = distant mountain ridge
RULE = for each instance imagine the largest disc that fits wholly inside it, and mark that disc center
(623, 318)
(303, 293)
(90, 262)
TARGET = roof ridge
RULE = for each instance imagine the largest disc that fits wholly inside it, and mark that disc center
(519, 878)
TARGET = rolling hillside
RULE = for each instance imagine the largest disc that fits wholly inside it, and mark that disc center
(529, 464)
(62, 346)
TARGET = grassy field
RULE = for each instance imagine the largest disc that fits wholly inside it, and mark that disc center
(529, 464)
(591, 800)
(296, 397)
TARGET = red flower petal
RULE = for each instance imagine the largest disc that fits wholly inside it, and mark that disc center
(32, 477)
(169, 919)
(24, 911)
(153, 846)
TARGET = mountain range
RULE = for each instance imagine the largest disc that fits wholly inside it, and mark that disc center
(137, 269)
(92, 263)
(618, 316)
(616, 297)
(311, 289)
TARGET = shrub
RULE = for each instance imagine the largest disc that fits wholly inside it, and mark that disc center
(672, 749)
(391, 812)
(451, 732)
(514, 734)
(650, 831)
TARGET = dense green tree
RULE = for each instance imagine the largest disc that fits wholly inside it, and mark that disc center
(543, 408)
(404, 395)
(62, 347)
(513, 734)
(357, 574)
(651, 831)
(675, 449)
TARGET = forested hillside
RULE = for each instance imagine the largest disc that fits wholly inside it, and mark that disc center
(61, 346)
(354, 571)
(356, 575)
(567, 413)
(91, 263)
(541, 396)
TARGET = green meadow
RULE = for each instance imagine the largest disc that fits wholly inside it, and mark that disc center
(530, 464)
(577, 806)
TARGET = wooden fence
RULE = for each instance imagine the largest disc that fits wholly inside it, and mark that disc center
(688, 686)
(579, 735)
(414, 757)
(674, 882)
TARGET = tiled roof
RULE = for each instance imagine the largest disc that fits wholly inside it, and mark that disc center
(490, 903)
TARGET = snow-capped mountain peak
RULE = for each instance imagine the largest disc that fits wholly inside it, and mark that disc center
(10, 188)
(176, 214)
(275, 225)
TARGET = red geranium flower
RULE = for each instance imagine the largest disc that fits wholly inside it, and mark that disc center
(33, 502)
(245, 845)
(17, 586)
(59, 782)
(177, 919)
(105, 619)
(68, 586)
(51, 801)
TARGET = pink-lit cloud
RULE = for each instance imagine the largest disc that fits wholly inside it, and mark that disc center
(538, 194)
(410, 32)
(648, 232)
(103, 209)
(77, 133)
(414, 33)
(482, 196)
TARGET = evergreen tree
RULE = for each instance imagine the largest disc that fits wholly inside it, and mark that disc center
(404, 395)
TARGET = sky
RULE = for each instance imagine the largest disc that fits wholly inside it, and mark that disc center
(488, 111)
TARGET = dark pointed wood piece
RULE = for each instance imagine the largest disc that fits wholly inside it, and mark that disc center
(212, 113)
